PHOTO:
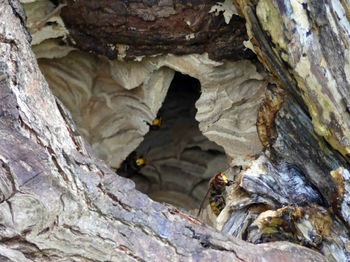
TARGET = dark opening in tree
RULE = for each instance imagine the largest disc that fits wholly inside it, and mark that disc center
(179, 160)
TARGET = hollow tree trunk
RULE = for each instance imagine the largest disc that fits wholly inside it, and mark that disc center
(61, 203)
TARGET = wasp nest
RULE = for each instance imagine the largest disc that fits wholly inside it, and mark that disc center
(113, 102)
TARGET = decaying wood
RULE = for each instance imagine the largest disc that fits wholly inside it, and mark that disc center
(60, 203)
(306, 45)
(128, 29)
(296, 189)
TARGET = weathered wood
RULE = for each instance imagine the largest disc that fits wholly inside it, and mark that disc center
(306, 45)
(131, 29)
(60, 203)
(296, 190)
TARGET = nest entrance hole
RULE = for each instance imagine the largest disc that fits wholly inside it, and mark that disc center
(180, 160)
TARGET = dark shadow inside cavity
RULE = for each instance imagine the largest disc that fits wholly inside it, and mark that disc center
(180, 160)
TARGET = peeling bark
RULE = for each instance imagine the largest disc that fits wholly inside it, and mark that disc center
(131, 29)
(60, 203)
(294, 191)
(306, 46)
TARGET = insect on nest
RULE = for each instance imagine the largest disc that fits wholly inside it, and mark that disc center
(217, 187)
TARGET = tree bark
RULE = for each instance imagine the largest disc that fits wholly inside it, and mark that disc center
(129, 29)
(60, 203)
(306, 47)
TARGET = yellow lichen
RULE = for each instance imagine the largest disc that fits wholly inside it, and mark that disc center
(323, 63)
(325, 109)
(299, 14)
(320, 120)
(346, 6)
(270, 20)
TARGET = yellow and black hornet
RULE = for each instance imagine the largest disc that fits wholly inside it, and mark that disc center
(156, 123)
(217, 186)
(131, 165)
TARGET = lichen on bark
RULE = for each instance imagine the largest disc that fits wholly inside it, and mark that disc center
(57, 197)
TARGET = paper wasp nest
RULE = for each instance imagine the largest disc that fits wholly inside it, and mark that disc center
(112, 102)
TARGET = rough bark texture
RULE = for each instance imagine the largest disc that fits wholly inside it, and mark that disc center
(131, 29)
(60, 203)
(306, 45)
(291, 195)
